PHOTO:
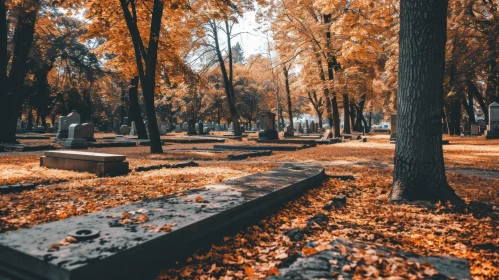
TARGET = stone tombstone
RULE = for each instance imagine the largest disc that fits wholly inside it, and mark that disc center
(201, 128)
(131, 131)
(312, 127)
(307, 127)
(125, 130)
(231, 127)
(185, 126)
(178, 129)
(88, 132)
(65, 122)
(267, 126)
(493, 127)
(75, 138)
(125, 121)
(289, 131)
(475, 129)
(161, 127)
(393, 127)
(300, 128)
(19, 127)
(191, 127)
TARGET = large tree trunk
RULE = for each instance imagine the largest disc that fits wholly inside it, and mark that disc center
(285, 71)
(149, 85)
(149, 58)
(331, 64)
(228, 86)
(10, 101)
(346, 114)
(419, 172)
(133, 98)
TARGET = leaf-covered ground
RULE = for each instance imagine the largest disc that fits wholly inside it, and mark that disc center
(256, 252)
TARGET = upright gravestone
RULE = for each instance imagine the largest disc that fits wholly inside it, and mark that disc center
(231, 127)
(201, 128)
(64, 123)
(132, 131)
(185, 126)
(312, 127)
(289, 131)
(88, 132)
(300, 128)
(307, 127)
(75, 138)
(19, 127)
(393, 128)
(475, 130)
(267, 123)
(125, 121)
(125, 130)
(178, 129)
(493, 127)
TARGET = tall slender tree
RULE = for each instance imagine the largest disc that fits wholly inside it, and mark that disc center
(419, 163)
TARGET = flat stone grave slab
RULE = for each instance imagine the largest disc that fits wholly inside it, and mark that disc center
(26, 148)
(167, 165)
(17, 188)
(111, 144)
(32, 136)
(312, 143)
(234, 155)
(231, 137)
(305, 137)
(260, 148)
(97, 163)
(126, 241)
(193, 140)
(331, 263)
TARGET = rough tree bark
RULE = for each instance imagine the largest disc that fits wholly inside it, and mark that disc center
(12, 86)
(133, 98)
(285, 71)
(346, 114)
(419, 172)
(146, 61)
(332, 64)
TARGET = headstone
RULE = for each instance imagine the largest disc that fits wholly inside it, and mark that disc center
(267, 123)
(218, 127)
(231, 127)
(125, 130)
(312, 127)
(185, 126)
(88, 132)
(201, 128)
(64, 123)
(289, 131)
(132, 131)
(393, 128)
(19, 127)
(475, 129)
(300, 128)
(75, 138)
(307, 127)
(178, 129)
(161, 127)
(493, 127)
(125, 121)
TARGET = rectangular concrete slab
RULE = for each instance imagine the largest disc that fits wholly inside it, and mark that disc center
(88, 156)
(260, 148)
(124, 250)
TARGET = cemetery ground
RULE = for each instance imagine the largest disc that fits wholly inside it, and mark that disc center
(304, 226)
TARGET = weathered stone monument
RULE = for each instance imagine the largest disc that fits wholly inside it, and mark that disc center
(130, 131)
(393, 128)
(201, 128)
(493, 127)
(289, 131)
(312, 127)
(178, 129)
(88, 131)
(19, 127)
(75, 139)
(97, 163)
(125, 130)
(64, 123)
(185, 126)
(300, 128)
(267, 123)
(475, 130)
(307, 127)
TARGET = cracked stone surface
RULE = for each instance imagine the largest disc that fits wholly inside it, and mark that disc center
(329, 264)
(196, 214)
